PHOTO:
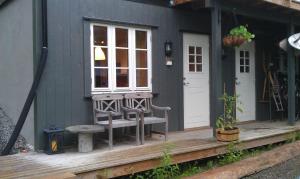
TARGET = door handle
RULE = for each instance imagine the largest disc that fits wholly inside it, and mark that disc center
(186, 83)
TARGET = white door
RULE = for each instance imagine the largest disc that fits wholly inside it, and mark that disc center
(245, 81)
(196, 80)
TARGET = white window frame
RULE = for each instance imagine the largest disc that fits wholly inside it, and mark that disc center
(111, 52)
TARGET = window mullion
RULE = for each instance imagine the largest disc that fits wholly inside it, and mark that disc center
(132, 60)
(149, 59)
(112, 64)
(92, 56)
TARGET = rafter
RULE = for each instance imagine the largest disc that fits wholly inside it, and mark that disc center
(285, 3)
(179, 2)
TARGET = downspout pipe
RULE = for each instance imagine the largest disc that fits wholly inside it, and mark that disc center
(35, 84)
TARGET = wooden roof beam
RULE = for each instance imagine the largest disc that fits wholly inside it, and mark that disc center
(180, 2)
(285, 3)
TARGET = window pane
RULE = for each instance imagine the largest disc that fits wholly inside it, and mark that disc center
(241, 53)
(192, 68)
(121, 37)
(191, 50)
(122, 57)
(247, 69)
(242, 69)
(102, 62)
(141, 39)
(141, 78)
(100, 35)
(122, 77)
(199, 68)
(246, 61)
(199, 50)
(141, 59)
(241, 61)
(199, 59)
(246, 53)
(101, 78)
(191, 59)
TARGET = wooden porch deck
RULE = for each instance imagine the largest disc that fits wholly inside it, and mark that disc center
(127, 159)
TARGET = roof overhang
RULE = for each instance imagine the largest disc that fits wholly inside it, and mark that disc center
(291, 4)
(287, 4)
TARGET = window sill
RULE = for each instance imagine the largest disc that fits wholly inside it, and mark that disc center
(120, 91)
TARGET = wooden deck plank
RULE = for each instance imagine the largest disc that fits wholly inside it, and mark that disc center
(187, 146)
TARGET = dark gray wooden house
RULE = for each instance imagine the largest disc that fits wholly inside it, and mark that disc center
(118, 46)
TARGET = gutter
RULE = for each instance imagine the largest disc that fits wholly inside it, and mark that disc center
(36, 81)
(3, 1)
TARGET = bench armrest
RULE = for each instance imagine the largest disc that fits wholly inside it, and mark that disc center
(160, 108)
(126, 109)
(108, 113)
(131, 110)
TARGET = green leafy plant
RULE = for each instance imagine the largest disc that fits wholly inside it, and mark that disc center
(242, 31)
(165, 170)
(228, 120)
(293, 137)
(190, 169)
(210, 164)
(233, 154)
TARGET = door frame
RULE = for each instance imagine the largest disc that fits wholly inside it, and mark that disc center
(182, 99)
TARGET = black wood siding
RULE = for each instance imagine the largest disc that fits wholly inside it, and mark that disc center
(61, 98)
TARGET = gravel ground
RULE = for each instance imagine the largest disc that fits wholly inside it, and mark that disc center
(287, 170)
(6, 129)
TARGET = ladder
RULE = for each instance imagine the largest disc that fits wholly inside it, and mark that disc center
(276, 92)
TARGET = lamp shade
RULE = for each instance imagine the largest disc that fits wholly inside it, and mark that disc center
(99, 54)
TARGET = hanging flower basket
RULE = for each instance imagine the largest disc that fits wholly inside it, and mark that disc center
(233, 41)
(238, 36)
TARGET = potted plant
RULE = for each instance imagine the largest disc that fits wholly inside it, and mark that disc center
(227, 130)
(237, 36)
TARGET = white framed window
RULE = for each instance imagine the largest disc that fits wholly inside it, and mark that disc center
(244, 61)
(120, 58)
(195, 59)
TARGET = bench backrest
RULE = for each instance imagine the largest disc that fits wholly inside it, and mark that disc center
(139, 101)
(108, 102)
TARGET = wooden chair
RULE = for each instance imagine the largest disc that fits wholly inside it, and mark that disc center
(110, 107)
(143, 102)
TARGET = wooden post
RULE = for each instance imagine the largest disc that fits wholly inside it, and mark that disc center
(291, 79)
(216, 106)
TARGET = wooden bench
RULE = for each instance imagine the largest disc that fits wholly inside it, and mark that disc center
(109, 113)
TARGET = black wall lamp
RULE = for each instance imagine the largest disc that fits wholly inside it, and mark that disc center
(168, 53)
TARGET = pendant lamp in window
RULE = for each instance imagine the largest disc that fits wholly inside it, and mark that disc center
(99, 54)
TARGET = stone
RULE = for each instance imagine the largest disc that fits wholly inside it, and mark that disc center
(85, 142)
(6, 129)
(85, 135)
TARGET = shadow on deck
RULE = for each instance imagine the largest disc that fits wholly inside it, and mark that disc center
(126, 158)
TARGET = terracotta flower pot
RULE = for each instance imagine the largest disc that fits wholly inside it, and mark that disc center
(235, 40)
(227, 40)
(227, 135)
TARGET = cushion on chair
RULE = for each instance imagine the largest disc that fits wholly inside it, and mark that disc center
(117, 123)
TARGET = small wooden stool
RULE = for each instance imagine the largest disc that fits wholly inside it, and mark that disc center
(85, 135)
